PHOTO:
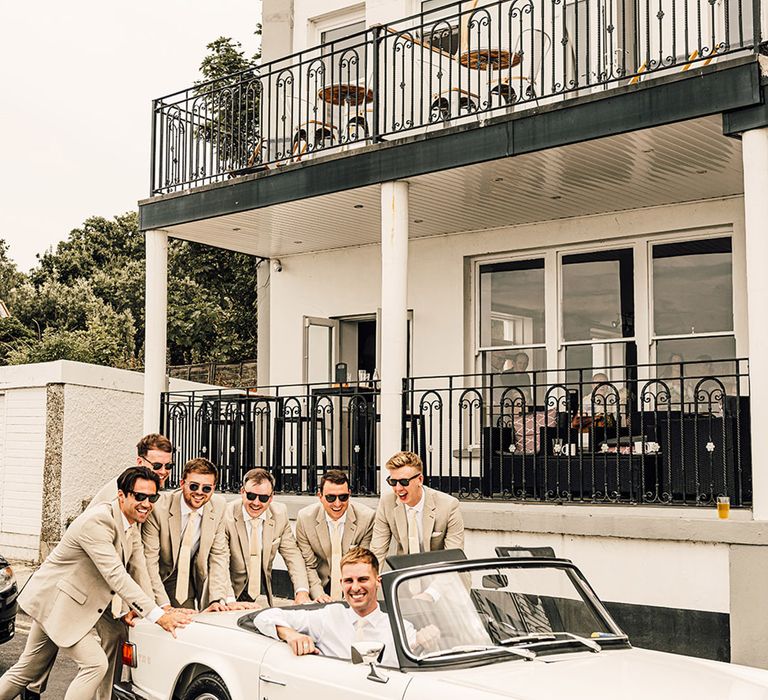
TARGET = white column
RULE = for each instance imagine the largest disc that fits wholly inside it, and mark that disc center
(754, 145)
(394, 316)
(155, 327)
(263, 306)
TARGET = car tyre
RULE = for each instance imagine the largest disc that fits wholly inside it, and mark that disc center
(209, 686)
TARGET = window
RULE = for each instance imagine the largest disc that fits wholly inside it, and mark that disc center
(598, 314)
(339, 35)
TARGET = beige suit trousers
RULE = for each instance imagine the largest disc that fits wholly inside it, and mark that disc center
(39, 653)
(112, 633)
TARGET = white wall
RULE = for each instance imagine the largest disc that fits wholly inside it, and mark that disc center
(22, 452)
(347, 281)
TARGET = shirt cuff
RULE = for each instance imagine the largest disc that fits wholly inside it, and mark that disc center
(155, 614)
(301, 590)
(230, 599)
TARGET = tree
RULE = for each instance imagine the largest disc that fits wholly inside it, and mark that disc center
(229, 96)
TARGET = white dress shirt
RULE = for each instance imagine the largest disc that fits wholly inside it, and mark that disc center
(418, 509)
(157, 612)
(186, 511)
(330, 521)
(332, 629)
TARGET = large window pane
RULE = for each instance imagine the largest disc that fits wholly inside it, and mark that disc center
(692, 287)
(598, 296)
(515, 369)
(512, 303)
(683, 363)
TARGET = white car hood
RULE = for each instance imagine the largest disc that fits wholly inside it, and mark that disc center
(222, 619)
(625, 674)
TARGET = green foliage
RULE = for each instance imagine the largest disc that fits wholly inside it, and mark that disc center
(229, 97)
(85, 300)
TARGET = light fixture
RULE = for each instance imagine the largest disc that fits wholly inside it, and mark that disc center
(235, 229)
(418, 221)
(358, 206)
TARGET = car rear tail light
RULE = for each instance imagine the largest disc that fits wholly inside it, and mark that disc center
(130, 657)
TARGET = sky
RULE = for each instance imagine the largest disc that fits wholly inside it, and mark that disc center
(78, 78)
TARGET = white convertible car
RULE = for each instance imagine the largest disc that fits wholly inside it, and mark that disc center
(525, 629)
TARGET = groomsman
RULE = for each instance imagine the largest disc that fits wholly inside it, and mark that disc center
(412, 516)
(185, 542)
(257, 528)
(327, 530)
(83, 579)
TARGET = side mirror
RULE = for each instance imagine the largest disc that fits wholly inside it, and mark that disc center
(369, 653)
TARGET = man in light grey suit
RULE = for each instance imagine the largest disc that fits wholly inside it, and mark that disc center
(412, 516)
(257, 528)
(327, 530)
(185, 544)
(83, 579)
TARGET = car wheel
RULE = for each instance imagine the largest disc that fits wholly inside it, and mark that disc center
(207, 687)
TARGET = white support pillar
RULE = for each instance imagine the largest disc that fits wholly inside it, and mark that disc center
(263, 306)
(754, 146)
(155, 327)
(394, 316)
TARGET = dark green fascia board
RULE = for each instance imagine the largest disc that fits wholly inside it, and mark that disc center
(737, 121)
(621, 110)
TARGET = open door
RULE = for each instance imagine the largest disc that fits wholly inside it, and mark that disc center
(321, 348)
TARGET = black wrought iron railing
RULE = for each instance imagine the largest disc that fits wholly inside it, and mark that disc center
(461, 61)
(669, 434)
(297, 432)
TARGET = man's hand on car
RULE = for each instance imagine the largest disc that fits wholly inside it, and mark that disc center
(300, 644)
(172, 620)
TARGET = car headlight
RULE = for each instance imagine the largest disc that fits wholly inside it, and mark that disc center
(7, 579)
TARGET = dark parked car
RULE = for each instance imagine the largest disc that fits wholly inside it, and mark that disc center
(8, 594)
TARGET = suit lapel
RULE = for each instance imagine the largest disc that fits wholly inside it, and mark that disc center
(321, 527)
(242, 535)
(267, 533)
(428, 519)
(350, 525)
(401, 522)
(206, 530)
(122, 546)
(174, 525)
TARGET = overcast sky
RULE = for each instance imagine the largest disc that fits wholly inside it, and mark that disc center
(78, 78)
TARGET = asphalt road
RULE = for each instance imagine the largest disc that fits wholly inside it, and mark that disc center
(61, 676)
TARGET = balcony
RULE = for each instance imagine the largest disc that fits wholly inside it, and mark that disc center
(672, 434)
(458, 66)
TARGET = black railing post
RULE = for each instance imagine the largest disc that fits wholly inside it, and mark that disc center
(378, 30)
(153, 149)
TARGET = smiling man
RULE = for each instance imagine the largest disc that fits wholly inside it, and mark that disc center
(185, 543)
(332, 629)
(84, 579)
(325, 531)
(412, 516)
(256, 529)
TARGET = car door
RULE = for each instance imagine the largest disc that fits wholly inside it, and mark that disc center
(284, 676)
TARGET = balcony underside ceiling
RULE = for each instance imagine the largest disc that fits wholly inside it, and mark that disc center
(680, 162)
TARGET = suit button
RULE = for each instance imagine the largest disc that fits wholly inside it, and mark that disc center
(99, 611)
(111, 593)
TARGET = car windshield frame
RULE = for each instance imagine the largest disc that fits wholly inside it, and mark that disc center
(391, 580)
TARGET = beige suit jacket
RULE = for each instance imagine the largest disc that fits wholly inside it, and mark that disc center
(106, 494)
(442, 524)
(162, 541)
(276, 537)
(314, 540)
(75, 584)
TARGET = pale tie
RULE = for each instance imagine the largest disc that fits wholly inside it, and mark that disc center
(185, 558)
(117, 601)
(254, 560)
(361, 625)
(413, 533)
(335, 560)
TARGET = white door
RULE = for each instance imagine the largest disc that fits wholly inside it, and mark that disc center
(321, 344)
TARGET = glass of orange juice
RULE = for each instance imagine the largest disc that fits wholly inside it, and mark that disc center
(723, 507)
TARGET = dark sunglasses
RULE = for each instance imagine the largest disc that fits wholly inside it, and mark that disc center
(331, 498)
(157, 466)
(402, 482)
(151, 497)
(263, 497)
(205, 488)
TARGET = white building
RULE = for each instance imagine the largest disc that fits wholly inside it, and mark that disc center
(549, 219)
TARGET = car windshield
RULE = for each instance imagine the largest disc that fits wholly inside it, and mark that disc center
(505, 609)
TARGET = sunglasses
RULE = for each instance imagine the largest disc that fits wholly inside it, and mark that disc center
(205, 488)
(263, 497)
(331, 498)
(140, 497)
(402, 482)
(157, 466)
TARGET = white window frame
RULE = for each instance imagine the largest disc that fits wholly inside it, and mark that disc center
(333, 20)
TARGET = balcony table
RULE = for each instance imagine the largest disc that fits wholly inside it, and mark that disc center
(483, 59)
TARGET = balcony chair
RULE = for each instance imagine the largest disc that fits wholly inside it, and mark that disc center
(312, 136)
(451, 104)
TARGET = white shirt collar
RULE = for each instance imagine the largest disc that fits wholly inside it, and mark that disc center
(419, 507)
(126, 524)
(340, 521)
(371, 618)
(247, 516)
